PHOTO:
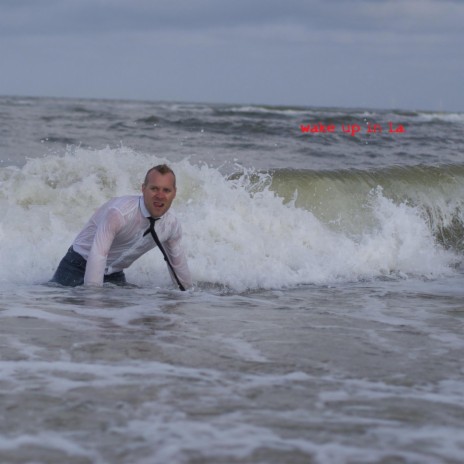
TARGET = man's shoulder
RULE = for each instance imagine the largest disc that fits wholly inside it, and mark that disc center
(170, 216)
(172, 224)
(124, 205)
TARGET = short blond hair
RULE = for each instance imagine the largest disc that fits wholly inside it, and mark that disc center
(162, 169)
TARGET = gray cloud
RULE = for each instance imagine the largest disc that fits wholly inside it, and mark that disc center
(337, 52)
(102, 16)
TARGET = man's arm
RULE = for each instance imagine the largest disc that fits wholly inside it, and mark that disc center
(111, 222)
(178, 259)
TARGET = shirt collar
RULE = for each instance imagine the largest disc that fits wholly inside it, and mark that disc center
(143, 208)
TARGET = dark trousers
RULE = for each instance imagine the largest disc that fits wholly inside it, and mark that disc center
(71, 270)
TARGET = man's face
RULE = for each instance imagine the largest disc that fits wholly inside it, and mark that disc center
(158, 193)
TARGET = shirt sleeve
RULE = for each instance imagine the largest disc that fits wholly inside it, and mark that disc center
(177, 257)
(107, 228)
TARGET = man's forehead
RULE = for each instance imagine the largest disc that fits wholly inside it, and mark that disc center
(156, 177)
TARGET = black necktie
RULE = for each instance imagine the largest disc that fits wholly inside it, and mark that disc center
(151, 227)
(151, 230)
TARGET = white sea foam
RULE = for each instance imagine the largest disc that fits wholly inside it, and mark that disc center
(445, 117)
(235, 236)
(52, 441)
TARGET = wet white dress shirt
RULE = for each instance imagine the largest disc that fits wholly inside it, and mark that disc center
(113, 239)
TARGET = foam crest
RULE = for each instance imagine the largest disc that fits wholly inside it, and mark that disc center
(236, 236)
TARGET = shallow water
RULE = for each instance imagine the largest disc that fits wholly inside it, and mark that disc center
(360, 372)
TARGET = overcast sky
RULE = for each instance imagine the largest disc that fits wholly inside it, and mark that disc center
(406, 54)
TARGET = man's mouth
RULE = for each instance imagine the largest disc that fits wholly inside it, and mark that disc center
(158, 204)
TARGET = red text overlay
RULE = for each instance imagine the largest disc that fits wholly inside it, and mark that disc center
(351, 129)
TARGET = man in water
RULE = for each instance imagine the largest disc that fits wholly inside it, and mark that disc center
(122, 230)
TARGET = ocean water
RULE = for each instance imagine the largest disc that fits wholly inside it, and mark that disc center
(327, 319)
